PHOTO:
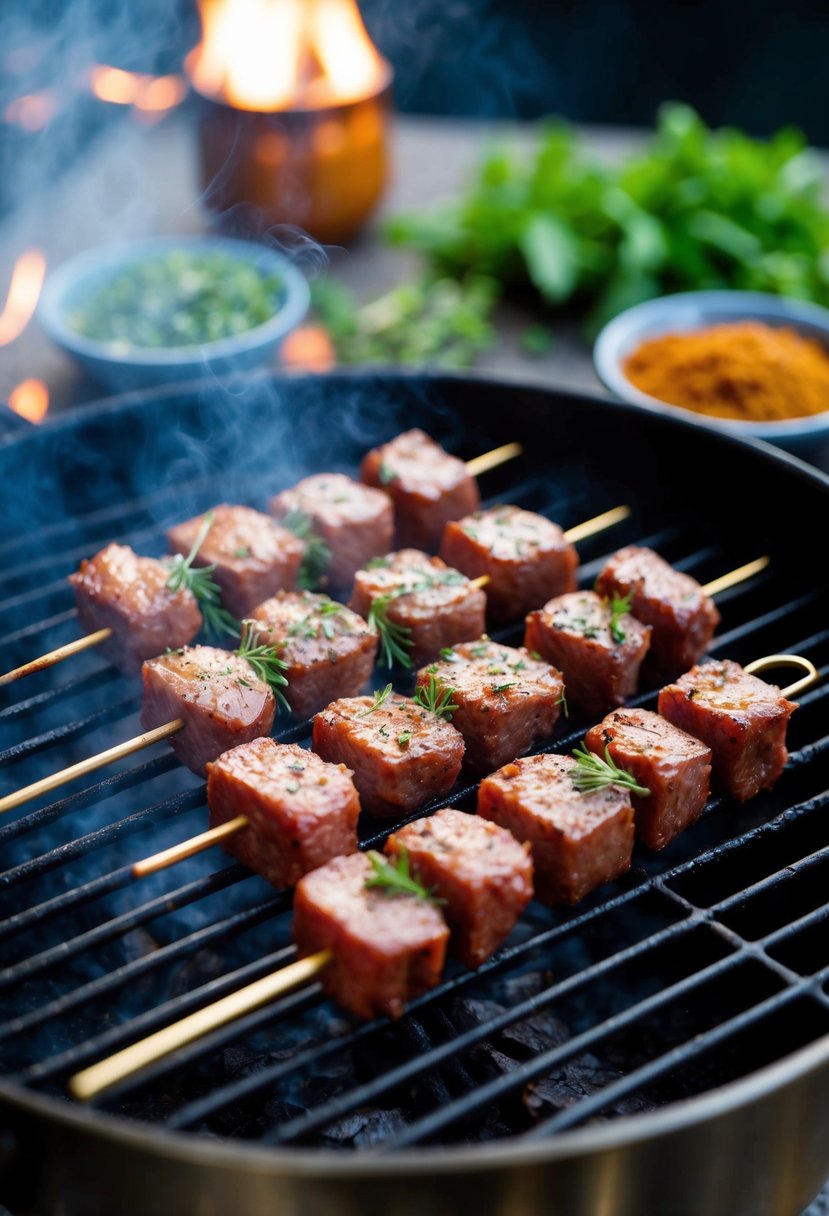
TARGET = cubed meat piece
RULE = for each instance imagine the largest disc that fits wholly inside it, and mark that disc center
(387, 948)
(506, 700)
(480, 872)
(218, 696)
(253, 556)
(525, 557)
(118, 590)
(683, 618)
(427, 486)
(354, 521)
(434, 605)
(401, 754)
(674, 766)
(578, 840)
(301, 811)
(741, 718)
(329, 650)
(598, 651)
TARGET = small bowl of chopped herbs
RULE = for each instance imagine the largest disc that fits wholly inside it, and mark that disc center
(172, 308)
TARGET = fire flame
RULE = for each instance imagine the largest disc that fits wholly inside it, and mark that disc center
(30, 400)
(152, 94)
(24, 293)
(276, 54)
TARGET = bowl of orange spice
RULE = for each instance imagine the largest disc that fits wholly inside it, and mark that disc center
(746, 362)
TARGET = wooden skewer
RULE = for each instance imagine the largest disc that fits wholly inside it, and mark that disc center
(770, 661)
(47, 784)
(598, 523)
(188, 848)
(95, 1079)
(491, 460)
(56, 656)
(736, 576)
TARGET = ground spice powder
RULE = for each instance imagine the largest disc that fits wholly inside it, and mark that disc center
(745, 370)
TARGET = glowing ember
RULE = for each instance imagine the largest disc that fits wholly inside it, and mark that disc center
(271, 55)
(308, 349)
(24, 292)
(160, 93)
(30, 400)
(32, 112)
(148, 93)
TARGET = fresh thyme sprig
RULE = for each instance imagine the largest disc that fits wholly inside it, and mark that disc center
(395, 640)
(317, 556)
(619, 607)
(380, 698)
(265, 662)
(395, 878)
(197, 580)
(437, 698)
(592, 773)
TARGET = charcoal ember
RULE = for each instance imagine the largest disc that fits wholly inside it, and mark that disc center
(365, 1128)
(536, 1034)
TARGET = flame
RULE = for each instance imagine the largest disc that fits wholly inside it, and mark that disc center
(275, 54)
(30, 400)
(149, 93)
(33, 111)
(24, 293)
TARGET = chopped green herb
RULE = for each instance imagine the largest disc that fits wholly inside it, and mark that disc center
(395, 640)
(292, 787)
(387, 475)
(448, 655)
(592, 773)
(395, 878)
(196, 579)
(562, 701)
(377, 563)
(317, 556)
(619, 607)
(380, 698)
(241, 552)
(264, 660)
(503, 687)
(436, 697)
(403, 739)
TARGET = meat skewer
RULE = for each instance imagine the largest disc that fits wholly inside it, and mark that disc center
(234, 576)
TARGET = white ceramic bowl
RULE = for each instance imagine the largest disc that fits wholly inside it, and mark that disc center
(692, 310)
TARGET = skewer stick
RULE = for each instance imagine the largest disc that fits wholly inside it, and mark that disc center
(491, 460)
(103, 1075)
(770, 661)
(597, 524)
(56, 656)
(47, 784)
(736, 576)
(188, 848)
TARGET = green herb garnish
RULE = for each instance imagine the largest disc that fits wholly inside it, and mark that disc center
(436, 697)
(404, 739)
(395, 878)
(619, 607)
(387, 475)
(503, 687)
(317, 556)
(264, 660)
(395, 640)
(197, 580)
(380, 698)
(592, 773)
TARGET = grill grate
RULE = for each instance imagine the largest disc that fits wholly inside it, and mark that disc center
(702, 964)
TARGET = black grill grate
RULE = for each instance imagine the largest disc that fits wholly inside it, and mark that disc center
(704, 963)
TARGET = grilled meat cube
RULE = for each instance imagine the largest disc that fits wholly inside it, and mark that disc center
(329, 650)
(600, 666)
(118, 590)
(683, 618)
(506, 701)
(218, 696)
(480, 872)
(674, 766)
(355, 521)
(578, 840)
(401, 754)
(525, 557)
(387, 948)
(742, 719)
(302, 812)
(427, 486)
(253, 556)
(437, 604)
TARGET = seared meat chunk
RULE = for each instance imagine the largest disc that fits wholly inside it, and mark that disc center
(421, 594)
(480, 872)
(578, 840)
(387, 948)
(219, 697)
(356, 522)
(674, 766)
(599, 653)
(401, 754)
(427, 486)
(329, 650)
(506, 701)
(118, 590)
(526, 558)
(741, 718)
(683, 618)
(302, 812)
(253, 556)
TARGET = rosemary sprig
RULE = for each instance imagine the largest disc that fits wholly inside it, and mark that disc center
(619, 607)
(592, 773)
(317, 556)
(197, 580)
(395, 640)
(395, 878)
(265, 662)
(380, 698)
(437, 698)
